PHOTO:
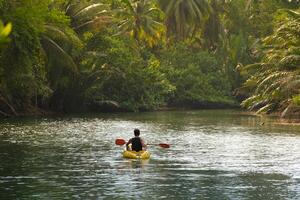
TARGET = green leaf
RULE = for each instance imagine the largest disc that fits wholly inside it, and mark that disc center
(6, 30)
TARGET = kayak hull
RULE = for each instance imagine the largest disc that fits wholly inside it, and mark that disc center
(136, 155)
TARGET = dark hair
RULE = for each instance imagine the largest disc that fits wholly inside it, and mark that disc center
(136, 132)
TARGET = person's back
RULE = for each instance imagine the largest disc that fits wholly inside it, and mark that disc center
(136, 142)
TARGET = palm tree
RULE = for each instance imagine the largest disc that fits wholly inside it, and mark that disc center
(54, 53)
(213, 29)
(60, 41)
(184, 17)
(140, 19)
(4, 32)
(86, 14)
(65, 52)
(275, 81)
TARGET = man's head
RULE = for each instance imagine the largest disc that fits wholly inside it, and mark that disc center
(136, 132)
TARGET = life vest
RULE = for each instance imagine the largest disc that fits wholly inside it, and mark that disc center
(136, 144)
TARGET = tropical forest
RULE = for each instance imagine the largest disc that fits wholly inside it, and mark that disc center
(150, 99)
(141, 55)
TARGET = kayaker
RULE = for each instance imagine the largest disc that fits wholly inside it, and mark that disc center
(137, 143)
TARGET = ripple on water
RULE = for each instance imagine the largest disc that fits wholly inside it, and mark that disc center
(213, 155)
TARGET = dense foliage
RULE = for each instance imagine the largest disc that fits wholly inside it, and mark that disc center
(275, 81)
(132, 55)
(197, 76)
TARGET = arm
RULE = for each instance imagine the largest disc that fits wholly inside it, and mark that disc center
(144, 144)
(127, 144)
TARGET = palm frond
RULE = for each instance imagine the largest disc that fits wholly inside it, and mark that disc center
(88, 9)
(277, 76)
(52, 48)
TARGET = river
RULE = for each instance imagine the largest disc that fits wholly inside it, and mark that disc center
(214, 154)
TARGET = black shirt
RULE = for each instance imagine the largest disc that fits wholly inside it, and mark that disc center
(136, 144)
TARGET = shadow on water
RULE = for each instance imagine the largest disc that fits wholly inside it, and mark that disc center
(12, 157)
(26, 171)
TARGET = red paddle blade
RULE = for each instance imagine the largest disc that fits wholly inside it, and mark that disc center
(164, 145)
(120, 141)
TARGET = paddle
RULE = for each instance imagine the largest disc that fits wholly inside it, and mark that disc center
(163, 145)
(121, 142)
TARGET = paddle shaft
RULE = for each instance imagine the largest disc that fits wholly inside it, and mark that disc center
(121, 142)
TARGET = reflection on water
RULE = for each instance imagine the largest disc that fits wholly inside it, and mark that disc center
(213, 155)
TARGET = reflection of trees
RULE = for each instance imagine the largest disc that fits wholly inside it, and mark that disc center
(12, 172)
(265, 186)
(26, 171)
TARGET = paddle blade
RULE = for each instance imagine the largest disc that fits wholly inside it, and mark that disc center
(164, 145)
(120, 141)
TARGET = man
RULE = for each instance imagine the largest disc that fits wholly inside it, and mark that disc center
(137, 143)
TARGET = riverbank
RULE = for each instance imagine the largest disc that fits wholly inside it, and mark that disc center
(275, 118)
(279, 119)
(112, 107)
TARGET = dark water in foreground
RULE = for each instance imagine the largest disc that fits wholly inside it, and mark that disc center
(213, 155)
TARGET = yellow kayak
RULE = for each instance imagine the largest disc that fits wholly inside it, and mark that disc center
(136, 155)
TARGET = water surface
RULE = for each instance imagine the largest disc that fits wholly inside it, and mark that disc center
(214, 154)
